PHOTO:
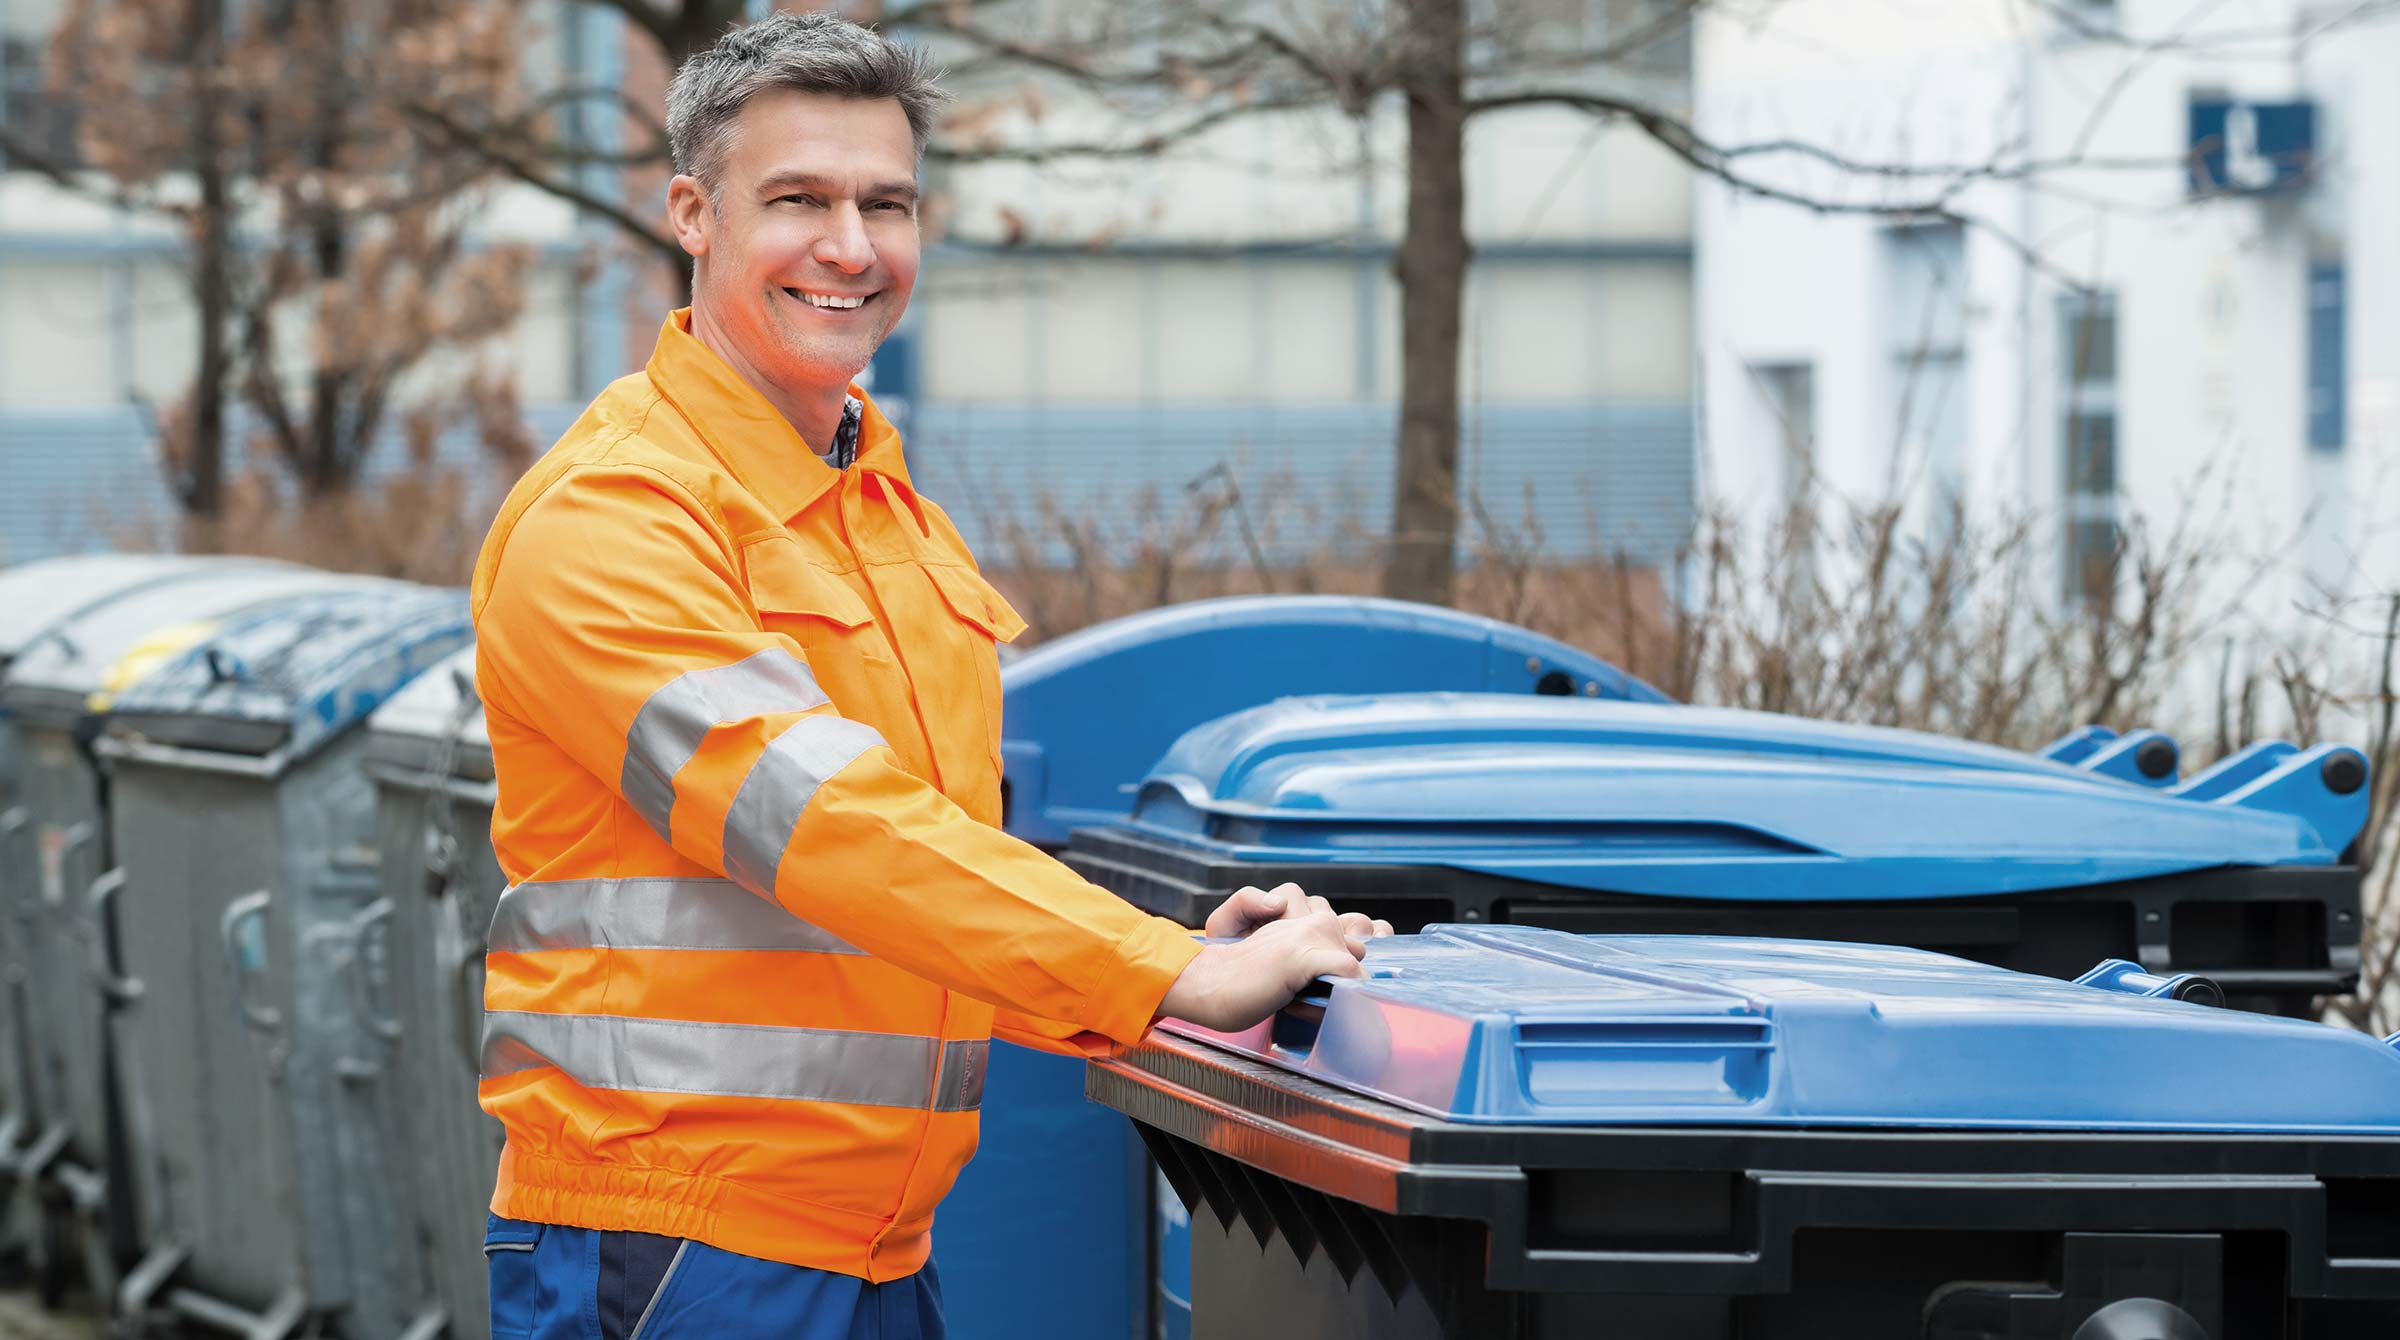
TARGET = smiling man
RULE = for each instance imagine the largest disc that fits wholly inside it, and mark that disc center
(745, 710)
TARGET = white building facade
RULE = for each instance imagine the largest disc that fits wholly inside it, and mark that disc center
(1090, 338)
(2167, 301)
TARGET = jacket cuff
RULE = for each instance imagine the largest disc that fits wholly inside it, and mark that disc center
(1152, 955)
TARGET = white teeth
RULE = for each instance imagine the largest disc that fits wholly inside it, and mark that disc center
(826, 300)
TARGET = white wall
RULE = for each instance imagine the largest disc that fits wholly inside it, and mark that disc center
(1547, 325)
(2211, 297)
(96, 306)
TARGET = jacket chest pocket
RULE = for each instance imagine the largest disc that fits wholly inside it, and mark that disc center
(979, 618)
(817, 609)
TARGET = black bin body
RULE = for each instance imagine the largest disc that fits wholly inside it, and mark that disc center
(1787, 1206)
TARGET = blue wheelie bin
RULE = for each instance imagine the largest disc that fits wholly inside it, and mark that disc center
(1627, 817)
(1622, 817)
(1511, 1132)
(1056, 1178)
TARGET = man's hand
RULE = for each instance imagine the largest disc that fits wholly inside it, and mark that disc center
(1282, 940)
(1249, 909)
(1231, 986)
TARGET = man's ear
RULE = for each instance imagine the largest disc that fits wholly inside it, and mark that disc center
(688, 213)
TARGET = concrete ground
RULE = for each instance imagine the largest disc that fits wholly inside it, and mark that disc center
(22, 1318)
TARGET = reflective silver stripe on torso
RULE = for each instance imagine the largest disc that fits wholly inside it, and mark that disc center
(650, 913)
(603, 1051)
(768, 804)
(675, 719)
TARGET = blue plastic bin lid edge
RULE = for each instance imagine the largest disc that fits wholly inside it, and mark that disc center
(1522, 1025)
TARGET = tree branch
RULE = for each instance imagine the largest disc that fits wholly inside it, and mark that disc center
(1677, 137)
(58, 172)
(1147, 146)
(599, 206)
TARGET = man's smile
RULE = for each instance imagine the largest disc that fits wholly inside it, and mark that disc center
(830, 302)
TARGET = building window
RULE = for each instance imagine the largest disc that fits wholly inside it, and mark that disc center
(2328, 364)
(1925, 270)
(2088, 347)
(1788, 392)
(2086, 18)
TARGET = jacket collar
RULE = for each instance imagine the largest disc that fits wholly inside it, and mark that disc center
(751, 436)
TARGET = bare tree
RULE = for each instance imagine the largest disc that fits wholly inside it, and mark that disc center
(1170, 74)
(327, 241)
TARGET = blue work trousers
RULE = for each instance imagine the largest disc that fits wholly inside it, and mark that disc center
(555, 1283)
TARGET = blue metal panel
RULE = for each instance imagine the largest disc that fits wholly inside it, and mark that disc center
(2328, 361)
(77, 482)
(1575, 481)
(1043, 1235)
(1711, 803)
(83, 481)
(891, 377)
(1518, 1024)
(1088, 714)
(1594, 479)
(2250, 147)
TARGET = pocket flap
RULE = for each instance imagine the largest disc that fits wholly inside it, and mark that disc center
(509, 1235)
(783, 581)
(973, 599)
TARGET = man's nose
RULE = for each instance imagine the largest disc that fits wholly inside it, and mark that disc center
(844, 245)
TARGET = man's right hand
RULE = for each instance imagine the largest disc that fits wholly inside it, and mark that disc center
(1230, 987)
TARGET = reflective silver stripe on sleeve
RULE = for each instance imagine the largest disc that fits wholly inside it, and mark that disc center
(669, 728)
(771, 799)
(959, 1085)
(606, 1051)
(650, 913)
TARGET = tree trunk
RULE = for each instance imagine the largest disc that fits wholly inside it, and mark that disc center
(1432, 269)
(331, 436)
(202, 489)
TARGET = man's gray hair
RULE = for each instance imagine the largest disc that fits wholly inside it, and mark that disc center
(809, 53)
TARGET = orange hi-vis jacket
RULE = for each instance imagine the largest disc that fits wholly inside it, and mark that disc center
(745, 714)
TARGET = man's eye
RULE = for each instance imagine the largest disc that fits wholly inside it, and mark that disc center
(802, 199)
(891, 206)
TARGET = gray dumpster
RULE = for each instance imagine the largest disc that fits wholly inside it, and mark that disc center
(253, 1068)
(34, 597)
(431, 762)
(39, 602)
(51, 693)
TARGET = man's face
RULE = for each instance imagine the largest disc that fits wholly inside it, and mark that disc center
(807, 248)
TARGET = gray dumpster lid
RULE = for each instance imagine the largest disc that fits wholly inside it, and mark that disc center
(36, 597)
(283, 679)
(110, 644)
(435, 726)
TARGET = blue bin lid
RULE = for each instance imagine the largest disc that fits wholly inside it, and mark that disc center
(287, 677)
(35, 598)
(1085, 715)
(436, 723)
(1524, 1024)
(1712, 803)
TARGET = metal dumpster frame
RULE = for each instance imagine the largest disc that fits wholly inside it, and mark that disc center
(434, 798)
(257, 1079)
(53, 860)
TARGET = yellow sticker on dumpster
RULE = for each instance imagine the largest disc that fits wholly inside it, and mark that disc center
(145, 656)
